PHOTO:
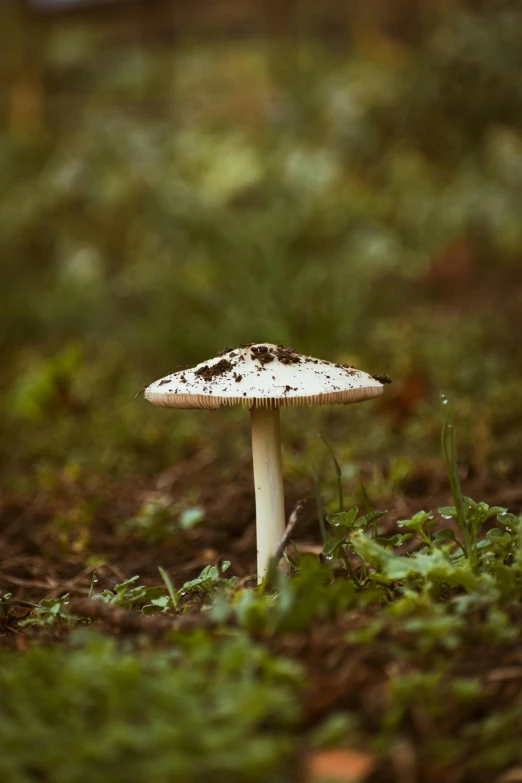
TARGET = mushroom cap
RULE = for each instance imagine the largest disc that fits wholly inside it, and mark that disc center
(263, 375)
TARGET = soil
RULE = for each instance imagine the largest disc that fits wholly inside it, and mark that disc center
(287, 355)
(262, 354)
(208, 373)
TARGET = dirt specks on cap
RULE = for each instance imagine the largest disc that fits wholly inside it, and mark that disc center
(382, 378)
(263, 354)
(224, 351)
(208, 373)
(287, 355)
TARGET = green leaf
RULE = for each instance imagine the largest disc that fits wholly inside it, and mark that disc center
(331, 546)
(394, 541)
(444, 535)
(344, 519)
(417, 522)
(448, 512)
(369, 519)
(208, 580)
(495, 534)
(191, 517)
(150, 609)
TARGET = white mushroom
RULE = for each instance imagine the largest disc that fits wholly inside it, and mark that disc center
(264, 378)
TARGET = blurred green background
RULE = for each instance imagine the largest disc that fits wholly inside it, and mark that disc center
(345, 178)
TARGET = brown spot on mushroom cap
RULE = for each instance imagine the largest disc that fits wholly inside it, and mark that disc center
(382, 378)
(208, 372)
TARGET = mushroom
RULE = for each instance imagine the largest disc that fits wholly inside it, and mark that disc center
(264, 378)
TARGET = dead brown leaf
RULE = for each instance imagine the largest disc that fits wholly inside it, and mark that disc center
(339, 766)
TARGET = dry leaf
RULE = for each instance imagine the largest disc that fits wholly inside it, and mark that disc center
(513, 775)
(339, 766)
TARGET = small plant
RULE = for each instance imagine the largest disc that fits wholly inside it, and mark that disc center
(50, 611)
(340, 546)
(208, 580)
(158, 519)
(151, 600)
(154, 522)
(421, 525)
(129, 594)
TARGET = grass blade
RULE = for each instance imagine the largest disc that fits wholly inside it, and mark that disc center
(319, 506)
(170, 587)
(337, 470)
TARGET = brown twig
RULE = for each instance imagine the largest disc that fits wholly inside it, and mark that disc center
(287, 535)
(13, 580)
(122, 620)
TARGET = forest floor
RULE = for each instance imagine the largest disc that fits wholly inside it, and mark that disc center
(406, 677)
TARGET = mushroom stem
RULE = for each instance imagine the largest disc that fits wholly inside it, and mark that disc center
(268, 480)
